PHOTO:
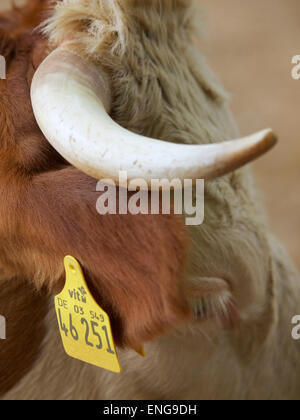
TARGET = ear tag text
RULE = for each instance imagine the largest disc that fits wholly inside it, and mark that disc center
(84, 327)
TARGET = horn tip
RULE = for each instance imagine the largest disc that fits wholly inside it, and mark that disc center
(269, 138)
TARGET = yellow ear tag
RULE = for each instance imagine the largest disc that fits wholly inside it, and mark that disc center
(140, 351)
(84, 327)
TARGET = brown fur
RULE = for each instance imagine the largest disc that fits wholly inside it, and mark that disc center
(134, 264)
(24, 310)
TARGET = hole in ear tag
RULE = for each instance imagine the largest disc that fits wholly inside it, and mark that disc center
(84, 327)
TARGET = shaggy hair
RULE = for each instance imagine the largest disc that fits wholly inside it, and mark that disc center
(108, 25)
(147, 48)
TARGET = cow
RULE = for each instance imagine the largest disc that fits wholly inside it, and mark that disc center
(89, 86)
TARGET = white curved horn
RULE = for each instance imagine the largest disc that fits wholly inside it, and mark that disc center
(71, 101)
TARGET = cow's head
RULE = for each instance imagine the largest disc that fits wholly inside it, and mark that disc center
(123, 71)
(118, 74)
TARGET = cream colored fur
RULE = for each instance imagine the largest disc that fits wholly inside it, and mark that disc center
(163, 88)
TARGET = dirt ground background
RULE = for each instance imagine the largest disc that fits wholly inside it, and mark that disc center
(250, 45)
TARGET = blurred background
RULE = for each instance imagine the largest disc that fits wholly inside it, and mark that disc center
(250, 45)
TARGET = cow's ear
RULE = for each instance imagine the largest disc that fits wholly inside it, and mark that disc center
(141, 279)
